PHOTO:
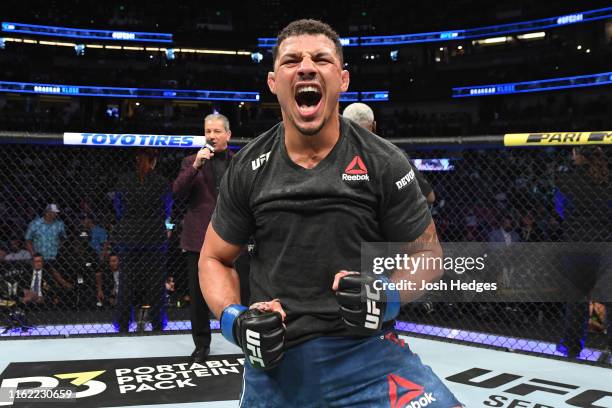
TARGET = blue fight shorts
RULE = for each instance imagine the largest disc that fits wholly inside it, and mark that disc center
(378, 371)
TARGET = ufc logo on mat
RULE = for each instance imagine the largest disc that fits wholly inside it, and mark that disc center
(373, 311)
(254, 347)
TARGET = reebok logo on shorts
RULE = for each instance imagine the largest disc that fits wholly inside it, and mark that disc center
(404, 181)
(414, 396)
(356, 171)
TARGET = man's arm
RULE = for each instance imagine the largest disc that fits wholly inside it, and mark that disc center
(28, 238)
(99, 290)
(60, 279)
(218, 278)
(431, 197)
(183, 183)
(427, 247)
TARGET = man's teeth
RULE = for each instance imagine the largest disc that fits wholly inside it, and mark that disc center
(308, 89)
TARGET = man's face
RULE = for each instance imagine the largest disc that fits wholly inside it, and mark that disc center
(307, 80)
(37, 263)
(15, 245)
(215, 133)
(507, 225)
(87, 223)
(50, 215)
(113, 262)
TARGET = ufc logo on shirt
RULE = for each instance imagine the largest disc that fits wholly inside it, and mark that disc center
(254, 347)
(373, 311)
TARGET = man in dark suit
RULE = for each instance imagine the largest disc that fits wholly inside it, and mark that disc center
(198, 182)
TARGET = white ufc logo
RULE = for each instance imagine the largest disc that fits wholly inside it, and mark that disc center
(257, 163)
(373, 311)
(254, 347)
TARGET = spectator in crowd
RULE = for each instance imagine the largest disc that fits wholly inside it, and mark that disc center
(597, 317)
(107, 281)
(198, 183)
(587, 190)
(16, 252)
(505, 233)
(502, 239)
(44, 235)
(37, 289)
(529, 231)
(363, 115)
(142, 199)
(98, 235)
(554, 228)
(79, 264)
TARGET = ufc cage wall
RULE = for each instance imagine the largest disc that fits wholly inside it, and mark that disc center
(516, 200)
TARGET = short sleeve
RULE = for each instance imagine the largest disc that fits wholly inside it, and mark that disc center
(233, 219)
(422, 180)
(404, 212)
(29, 235)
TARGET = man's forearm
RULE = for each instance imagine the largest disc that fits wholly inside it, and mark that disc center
(427, 254)
(219, 284)
(428, 269)
(98, 281)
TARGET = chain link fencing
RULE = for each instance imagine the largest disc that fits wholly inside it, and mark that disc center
(112, 263)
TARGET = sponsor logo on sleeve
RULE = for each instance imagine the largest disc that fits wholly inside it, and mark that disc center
(404, 181)
(258, 162)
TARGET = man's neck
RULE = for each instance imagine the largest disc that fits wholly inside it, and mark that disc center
(308, 150)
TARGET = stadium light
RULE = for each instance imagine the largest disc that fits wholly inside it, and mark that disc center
(493, 40)
(532, 36)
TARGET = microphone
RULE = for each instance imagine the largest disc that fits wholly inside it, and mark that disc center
(208, 146)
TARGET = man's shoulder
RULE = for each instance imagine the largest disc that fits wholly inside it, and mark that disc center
(37, 221)
(371, 145)
(256, 152)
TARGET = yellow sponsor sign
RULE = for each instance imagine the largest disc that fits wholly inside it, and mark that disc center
(558, 138)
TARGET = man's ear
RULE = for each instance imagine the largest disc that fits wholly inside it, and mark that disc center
(345, 77)
(271, 82)
(229, 134)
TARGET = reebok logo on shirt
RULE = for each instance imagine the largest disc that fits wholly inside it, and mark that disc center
(356, 171)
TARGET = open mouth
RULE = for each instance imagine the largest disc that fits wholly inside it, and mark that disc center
(307, 98)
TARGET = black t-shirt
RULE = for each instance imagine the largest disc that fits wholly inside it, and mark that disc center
(142, 208)
(587, 217)
(308, 224)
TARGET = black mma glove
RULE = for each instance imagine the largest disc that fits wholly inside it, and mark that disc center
(261, 335)
(366, 302)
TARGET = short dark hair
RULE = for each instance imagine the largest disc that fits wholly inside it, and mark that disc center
(38, 255)
(308, 27)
